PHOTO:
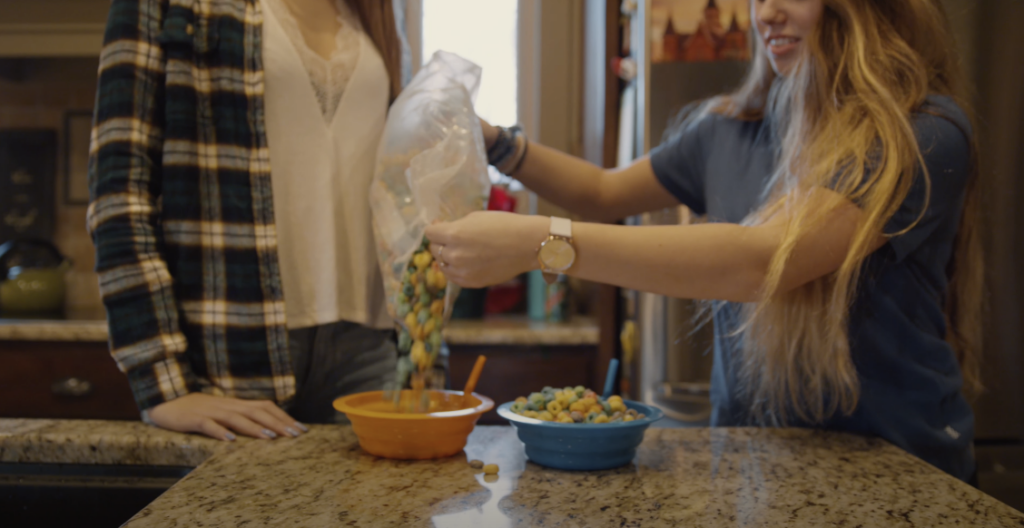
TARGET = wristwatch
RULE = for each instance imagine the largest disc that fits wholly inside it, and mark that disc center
(557, 254)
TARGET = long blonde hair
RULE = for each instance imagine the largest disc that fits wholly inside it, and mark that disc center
(843, 113)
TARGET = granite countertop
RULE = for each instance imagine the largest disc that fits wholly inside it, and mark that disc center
(681, 477)
(498, 331)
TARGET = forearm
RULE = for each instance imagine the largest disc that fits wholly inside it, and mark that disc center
(706, 261)
(571, 183)
(124, 171)
(565, 181)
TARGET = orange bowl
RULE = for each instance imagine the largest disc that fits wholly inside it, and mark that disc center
(390, 433)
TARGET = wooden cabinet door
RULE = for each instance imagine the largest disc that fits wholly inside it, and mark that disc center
(62, 380)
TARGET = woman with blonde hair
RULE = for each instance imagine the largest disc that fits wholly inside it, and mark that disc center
(841, 248)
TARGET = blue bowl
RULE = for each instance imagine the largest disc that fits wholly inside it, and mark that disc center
(582, 447)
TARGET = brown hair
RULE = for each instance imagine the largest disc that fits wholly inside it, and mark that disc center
(869, 65)
(378, 20)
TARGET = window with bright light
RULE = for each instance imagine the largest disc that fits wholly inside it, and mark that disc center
(485, 32)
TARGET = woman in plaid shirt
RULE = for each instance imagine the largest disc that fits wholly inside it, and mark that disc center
(233, 145)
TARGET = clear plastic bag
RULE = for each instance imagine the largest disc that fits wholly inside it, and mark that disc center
(431, 166)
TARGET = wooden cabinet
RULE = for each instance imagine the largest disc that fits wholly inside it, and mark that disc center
(45, 379)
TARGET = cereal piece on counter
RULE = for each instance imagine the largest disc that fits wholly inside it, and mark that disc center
(476, 464)
(491, 469)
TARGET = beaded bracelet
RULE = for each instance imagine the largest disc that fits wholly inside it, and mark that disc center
(501, 147)
(508, 150)
(512, 162)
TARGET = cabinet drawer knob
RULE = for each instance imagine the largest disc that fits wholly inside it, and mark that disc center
(73, 387)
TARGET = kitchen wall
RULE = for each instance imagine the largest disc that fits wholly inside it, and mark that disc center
(37, 93)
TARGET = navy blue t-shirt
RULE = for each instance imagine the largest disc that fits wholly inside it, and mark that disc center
(909, 376)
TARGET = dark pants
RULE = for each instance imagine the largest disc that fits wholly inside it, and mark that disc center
(334, 360)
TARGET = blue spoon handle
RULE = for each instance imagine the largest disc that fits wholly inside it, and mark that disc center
(609, 380)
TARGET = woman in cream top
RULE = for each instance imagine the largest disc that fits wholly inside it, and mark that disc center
(246, 325)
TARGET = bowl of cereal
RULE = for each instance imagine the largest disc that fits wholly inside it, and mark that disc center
(390, 430)
(575, 429)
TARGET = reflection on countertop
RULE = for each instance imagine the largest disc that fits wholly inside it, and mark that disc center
(92, 326)
(681, 477)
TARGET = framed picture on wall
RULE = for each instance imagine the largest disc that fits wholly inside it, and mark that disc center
(77, 128)
(27, 176)
(700, 30)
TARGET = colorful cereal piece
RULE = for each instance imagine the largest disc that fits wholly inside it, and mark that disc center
(579, 406)
(476, 464)
(404, 341)
(491, 469)
(422, 260)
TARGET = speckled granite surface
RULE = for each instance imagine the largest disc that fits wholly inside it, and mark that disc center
(681, 477)
(102, 442)
(513, 331)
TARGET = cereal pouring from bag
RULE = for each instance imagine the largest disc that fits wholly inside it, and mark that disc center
(431, 166)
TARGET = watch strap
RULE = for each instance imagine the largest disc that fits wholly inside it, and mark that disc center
(561, 227)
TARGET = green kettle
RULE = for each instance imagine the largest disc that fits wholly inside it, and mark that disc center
(32, 278)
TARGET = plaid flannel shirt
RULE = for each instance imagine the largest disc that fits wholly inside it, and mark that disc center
(181, 211)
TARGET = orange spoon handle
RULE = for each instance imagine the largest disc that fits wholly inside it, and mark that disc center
(474, 376)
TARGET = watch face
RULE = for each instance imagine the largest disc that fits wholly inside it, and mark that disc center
(557, 254)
